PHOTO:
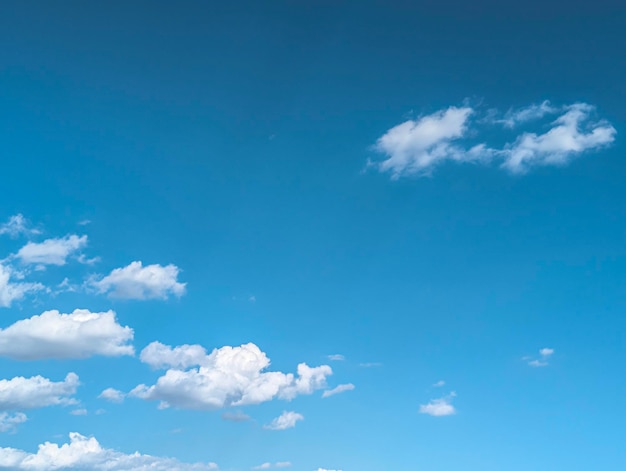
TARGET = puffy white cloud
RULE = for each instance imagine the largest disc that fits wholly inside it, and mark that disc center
(566, 139)
(339, 389)
(336, 357)
(37, 391)
(11, 291)
(416, 146)
(86, 454)
(544, 355)
(228, 376)
(80, 334)
(439, 407)
(17, 225)
(51, 251)
(284, 421)
(9, 422)
(138, 282)
(112, 395)
(279, 464)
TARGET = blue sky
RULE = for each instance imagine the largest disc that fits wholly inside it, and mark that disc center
(312, 236)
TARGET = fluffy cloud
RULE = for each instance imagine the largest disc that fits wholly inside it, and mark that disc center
(339, 389)
(138, 282)
(112, 395)
(9, 422)
(439, 407)
(17, 225)
(14, 291)
(80, 334)
(51, 251)
(86, 454)
(416, 147)
(37, 391)
(228, 376)
(284, 421)
(544, 356)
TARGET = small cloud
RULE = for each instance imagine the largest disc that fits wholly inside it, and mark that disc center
(268, 465)
(9, 422)
(339, 389)
(284, 421)
(544, 355)
(84, 222)
(336, 357)
(371, 364)
(439, 384)
(79, 412)
(235, 417)
(51, 251)
(252, 299)
(87, 261)
(112, 395)
(439, 407)
(17, 225)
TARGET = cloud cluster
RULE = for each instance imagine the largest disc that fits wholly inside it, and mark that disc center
(228, 376)
(29, 393)
(287, 419)
(416, 147)
(86, 454)
(136, 281)
(80, 334)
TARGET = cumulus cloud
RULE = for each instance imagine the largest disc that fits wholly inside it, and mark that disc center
(80, 334)
(138, 282)
(86, 454)
(416, 147)
(284, 421)
(37, 391)
(439, 407)
(17, 225)
(11, 291)
(112, 395)
(51, 251)
(228, 376)
(542, 360)
(9, 422)
(339, 389)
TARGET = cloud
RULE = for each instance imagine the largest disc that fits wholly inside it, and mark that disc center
(235, 416)
(544, 355)
(284, 421)
(439, 384)
(86, 454)
(138, 282)
(79, 412)
(112, 395)
(565, 140)
(439, 407)
(324, 469)
(80, 334)
(228, 376)
(14, 291)
(372, 364)
(51, 251)
(339, 389)
(416, 146)
(9, 422)
(336, 357)
(37, 391)
(279, 464)
(17, 225)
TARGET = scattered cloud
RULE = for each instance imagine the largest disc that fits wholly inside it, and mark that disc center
(439, 407)
(112, 395)
(51, 251)
(235, 417)
(542, 360)
(9, 422)
(138, 282)
(11, 291)
(86, 454)
(80, 334)
(339, 389)
(336, 357)
(228, 376)
(30, 393)
(416, 147)
(284, 421)
(17, 225)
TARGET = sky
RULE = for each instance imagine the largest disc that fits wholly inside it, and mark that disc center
(312, 236)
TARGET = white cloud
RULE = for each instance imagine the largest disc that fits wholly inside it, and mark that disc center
(339, 389)
(263, 466)
(51, 251)
(80, 334)
(528, 113)
(79, 412)
(37, 391)
(138, 282)
(284, 421)
(336, 357)
(228, 376)
(324, 469)
(86, 454)
(112, 395)
(439, 407)
(544, 355)
(16, 226)
(415, 147)
(280, 464)
(565, 140)
(235, 416)
(14, 291)
(439, 384)
(9, 422)
(546, 352)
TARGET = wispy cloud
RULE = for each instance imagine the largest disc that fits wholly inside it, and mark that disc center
(51, 251)
(336, 357)
(17, 225)
(339, 389)
(542, 360)
(284, 421)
